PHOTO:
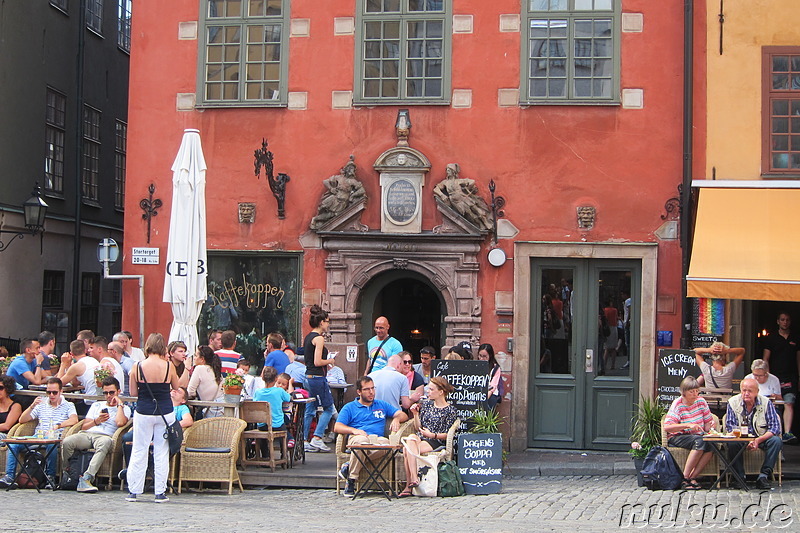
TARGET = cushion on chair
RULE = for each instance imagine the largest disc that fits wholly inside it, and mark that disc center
(208, 450)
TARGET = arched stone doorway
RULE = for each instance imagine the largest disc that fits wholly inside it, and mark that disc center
(413, 306)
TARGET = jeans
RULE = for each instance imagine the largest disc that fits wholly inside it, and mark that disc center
(318, 389)
(11, 459)
(772, 448)
(147, 429)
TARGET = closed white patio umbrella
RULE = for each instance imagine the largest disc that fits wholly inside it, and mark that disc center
(186, 266)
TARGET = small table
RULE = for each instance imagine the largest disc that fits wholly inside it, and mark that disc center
(298, 417)
(375, 480)
(27, 444)
(340, 389)
(724, 457)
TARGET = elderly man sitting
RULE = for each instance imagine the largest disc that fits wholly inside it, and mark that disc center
(757, 413)
(99, 426)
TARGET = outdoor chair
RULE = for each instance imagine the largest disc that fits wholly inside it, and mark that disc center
(681, 454)
(753, 459)
(209, 452)
(261, 413)
(342, 455)
(113, 461)
(445, 453)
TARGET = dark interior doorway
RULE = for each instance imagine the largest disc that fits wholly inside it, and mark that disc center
(412, 306)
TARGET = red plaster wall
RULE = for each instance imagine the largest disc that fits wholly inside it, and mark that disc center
(545, 159)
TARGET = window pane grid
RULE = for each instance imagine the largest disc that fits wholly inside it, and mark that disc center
(90, 161)
(120, 162)
(784, 113)
(570, 57)
(403, 56)
(55, 119)
(124, 25)
(244, 54)
(53, 289)
(571, 5)
(94, 15)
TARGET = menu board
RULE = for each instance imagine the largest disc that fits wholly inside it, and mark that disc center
(673, 366)
(480, 462)
(470, 380)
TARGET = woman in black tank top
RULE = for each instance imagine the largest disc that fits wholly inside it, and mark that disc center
(316, 357)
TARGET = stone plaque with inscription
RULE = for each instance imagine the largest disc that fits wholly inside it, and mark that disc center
(402, 172)
(401, 201)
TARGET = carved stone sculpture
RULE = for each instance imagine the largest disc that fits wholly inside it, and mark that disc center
(462, 195)
(586, 215)
(342, 191)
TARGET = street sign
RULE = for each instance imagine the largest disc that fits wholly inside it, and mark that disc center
(144, 256)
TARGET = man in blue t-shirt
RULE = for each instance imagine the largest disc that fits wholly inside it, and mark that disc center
(276, 358)
(27, 367)
(364, 421)
(382, 346)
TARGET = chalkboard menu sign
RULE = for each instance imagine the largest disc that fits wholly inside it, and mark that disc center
(673, 366)
(471, 382)
(480, 461)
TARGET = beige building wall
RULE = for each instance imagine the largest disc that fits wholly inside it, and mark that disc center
(734, 80)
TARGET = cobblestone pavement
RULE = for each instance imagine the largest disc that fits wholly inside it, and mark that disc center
(594, 504)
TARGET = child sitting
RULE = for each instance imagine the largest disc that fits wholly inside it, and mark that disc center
(276, 396)
(251, 383)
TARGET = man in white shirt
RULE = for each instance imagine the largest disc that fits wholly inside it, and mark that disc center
(100, 424)
(78, 368)
(99, 350)
(124, 339)
(117, 351)
(768, 384)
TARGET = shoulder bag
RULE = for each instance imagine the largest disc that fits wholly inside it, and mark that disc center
(378, 351)
(173, 433)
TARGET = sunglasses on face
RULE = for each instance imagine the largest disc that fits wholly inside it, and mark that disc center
(109, 392)
(407, 362)
(53, 392)
(2, 387)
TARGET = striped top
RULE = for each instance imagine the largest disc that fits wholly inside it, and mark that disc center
(49, 416)
(680, 413)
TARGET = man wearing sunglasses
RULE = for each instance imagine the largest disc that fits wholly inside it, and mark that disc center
(102, 420)
(54, 412)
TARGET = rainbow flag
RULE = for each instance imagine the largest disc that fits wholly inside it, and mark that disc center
(710, 315)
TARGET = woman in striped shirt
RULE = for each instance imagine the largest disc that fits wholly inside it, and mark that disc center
(686, 422)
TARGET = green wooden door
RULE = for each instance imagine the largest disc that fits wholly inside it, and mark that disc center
(584, 352)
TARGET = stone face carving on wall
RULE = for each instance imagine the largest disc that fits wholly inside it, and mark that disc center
(586, 215)
(342, 191)
(463, 196)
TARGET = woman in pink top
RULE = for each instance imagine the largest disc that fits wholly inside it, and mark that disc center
(687, 420)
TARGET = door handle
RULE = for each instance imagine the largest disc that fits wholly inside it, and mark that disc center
(589, 363)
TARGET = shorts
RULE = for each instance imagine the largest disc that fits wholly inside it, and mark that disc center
(690, 442)
(789, 397)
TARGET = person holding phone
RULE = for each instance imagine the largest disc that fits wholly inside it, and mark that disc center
(99, 426)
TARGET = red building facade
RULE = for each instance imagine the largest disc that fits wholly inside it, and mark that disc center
(572, 107)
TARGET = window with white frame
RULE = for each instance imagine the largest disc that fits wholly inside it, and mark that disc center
(55, 121)
(244, 53)
(403, 51)
(90, 167)
(571, 51)
(124, 25)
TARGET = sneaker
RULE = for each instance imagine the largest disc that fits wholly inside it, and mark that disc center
(122, 475)
(131, 497)
(317, 443)
(6, 481)
(350, 488)
(309, 448)
(85, 484)
(344, 471)
(762, 482)
(328, 438)
(290, 443)
(789, 438)
(161, 498)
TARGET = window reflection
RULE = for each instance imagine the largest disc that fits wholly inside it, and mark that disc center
(556, 322)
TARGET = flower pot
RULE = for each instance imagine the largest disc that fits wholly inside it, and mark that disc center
(638, 463)
(233, 390)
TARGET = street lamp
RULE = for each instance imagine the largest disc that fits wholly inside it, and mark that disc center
(34, 210)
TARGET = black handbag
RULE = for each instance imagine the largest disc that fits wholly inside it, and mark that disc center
(173, 432)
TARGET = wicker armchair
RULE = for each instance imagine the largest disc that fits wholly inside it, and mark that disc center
(209, 451)
(681, 454)
(113, 461)
(27, 428)
(261, 413)
(445, 453)
(342, 455)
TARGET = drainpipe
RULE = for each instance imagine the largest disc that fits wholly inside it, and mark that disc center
(76, 257)
(686, 191)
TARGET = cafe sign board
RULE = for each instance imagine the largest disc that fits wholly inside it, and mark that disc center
(673, 367)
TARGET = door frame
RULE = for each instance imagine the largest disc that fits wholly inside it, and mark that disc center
(647, 253)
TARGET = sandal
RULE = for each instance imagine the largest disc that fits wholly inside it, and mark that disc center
(690, 484)
(413, 485)
(406, 493)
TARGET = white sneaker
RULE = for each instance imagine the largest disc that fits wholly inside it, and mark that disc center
(317, 443)
(308, 447)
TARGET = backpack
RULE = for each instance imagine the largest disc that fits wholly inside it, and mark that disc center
(76, 466)
(34, 465)
(660, 471)
(450, 483)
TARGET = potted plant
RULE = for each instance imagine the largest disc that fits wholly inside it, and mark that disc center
(646, 431)
(4, 363)
(232, 383)
(55, 362)
(102, 372)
